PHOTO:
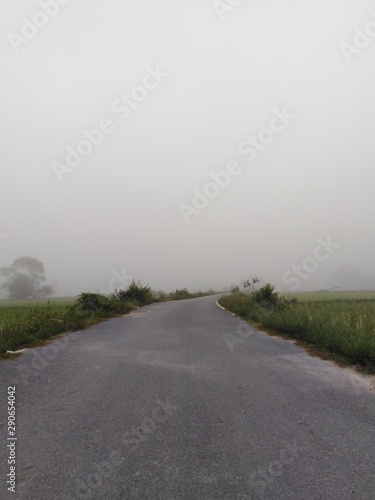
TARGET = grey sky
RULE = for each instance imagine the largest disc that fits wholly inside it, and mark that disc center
(120, 207)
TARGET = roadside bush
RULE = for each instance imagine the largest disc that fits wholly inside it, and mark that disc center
(28, 325)
(267, 297)
(94, 302)
(180, 294)
(185, 294)
(76, 318)
(160, 296)
(137, 293)
(342, 327)
(97, 305)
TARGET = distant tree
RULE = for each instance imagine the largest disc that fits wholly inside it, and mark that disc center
(24, 278)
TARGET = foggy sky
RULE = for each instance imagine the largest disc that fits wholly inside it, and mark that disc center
(225, 72)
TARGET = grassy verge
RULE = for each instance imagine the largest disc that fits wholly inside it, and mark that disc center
(31, 323)
(183, 294)
(339, 329)
(330, 296)
(26, 326)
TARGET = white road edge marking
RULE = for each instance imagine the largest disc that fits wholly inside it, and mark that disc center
(223, 308)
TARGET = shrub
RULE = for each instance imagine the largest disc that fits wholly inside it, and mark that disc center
(267, 297)
(75, 318)
(160, 296)
(137, 293)
(180, 294)
(94, 302)
(345, 328)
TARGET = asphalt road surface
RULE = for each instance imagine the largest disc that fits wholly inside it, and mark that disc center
(182, 400)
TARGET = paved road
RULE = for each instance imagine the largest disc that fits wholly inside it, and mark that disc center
(183, 401)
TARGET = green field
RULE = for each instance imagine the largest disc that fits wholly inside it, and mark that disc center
(59, 301)
(340, 326)
(32, 322)
(329, 296)
(21, 312)
(29, 323)
(24, 323)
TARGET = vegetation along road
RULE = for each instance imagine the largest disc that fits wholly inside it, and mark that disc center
(165, 403)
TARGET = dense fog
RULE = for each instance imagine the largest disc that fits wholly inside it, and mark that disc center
(189, 144)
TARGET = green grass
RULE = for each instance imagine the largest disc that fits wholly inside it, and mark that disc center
(329, 296)
(59, 301)
(341, 328)
(22, 325)
(185, 294)
(32, 322)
